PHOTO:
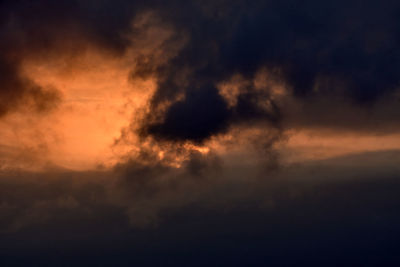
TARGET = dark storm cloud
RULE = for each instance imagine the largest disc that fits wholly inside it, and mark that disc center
(346, 48)
(202, 113)
(342, 48)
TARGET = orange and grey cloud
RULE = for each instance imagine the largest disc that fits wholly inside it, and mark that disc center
(251, 118)
(330, 53)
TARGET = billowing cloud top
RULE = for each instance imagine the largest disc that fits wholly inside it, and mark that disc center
(346, 51)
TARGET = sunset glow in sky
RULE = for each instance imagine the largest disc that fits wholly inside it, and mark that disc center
(199, 133)
(100, 100)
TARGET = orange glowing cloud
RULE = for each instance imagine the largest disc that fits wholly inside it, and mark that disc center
(98, 99)
(102, 93)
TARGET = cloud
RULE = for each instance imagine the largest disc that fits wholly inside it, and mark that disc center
(316, 49)
(143, 196)
(228, 80)
(337, 51)
(219, 68)
(17, 91)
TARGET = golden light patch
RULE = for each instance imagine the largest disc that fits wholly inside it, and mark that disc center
(311, 145)
(98, 100)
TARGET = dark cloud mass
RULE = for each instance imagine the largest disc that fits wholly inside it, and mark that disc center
(225, 72)
(345, 48)
(17, 90)
(324, 218)
(342, 48)
(202, 113)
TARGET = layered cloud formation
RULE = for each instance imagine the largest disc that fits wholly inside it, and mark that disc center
(345, 50)
(131, 112)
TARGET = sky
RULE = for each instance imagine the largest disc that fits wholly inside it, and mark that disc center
(199, 133)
